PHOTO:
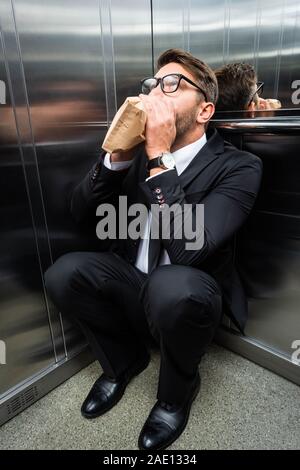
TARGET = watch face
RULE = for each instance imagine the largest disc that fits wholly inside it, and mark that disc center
(168, 160)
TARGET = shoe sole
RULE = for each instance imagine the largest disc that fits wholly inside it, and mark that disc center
(103, 411)
(165, 446)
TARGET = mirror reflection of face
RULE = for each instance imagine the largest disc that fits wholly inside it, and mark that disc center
(240, 89)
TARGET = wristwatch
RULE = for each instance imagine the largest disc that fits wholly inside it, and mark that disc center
(165, 160)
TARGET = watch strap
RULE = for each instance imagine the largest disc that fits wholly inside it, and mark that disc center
(155, 163)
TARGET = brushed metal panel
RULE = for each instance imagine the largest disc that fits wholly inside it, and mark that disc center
(63, 165)
(244, 29)
(62, 57)
(61, 51)
(290, 54)
(131, 29)
(108, 57)
(132, 46)
(127, 49)
(274, 242)
(259, 353)
(76, 57)
(24, 324)
(270, 45)
(209, 30)
(36, 387)
(268, 248)
(271, 267)
(265, 34)
(23, 119)
(168, 25)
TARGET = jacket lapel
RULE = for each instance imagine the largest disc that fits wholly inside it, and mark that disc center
(210, 152)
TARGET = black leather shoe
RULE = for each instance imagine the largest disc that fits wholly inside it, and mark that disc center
(165, 423)
(106, 392)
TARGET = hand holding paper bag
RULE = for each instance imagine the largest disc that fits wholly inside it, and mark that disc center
(127, 128)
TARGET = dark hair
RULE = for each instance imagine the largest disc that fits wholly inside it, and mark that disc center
(236, 86)
(202, 73)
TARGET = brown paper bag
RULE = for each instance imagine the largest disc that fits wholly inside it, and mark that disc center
(127, 128)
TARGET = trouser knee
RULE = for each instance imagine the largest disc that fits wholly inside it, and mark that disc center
(58, 278)
(197, 300)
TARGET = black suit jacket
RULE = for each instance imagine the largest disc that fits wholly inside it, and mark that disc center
(223, 178)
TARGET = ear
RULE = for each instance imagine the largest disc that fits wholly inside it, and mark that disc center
(205, 112)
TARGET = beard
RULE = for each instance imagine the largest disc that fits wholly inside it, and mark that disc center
(185, 122)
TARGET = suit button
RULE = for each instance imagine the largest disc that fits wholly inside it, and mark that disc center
(157, 190)
(160, 196)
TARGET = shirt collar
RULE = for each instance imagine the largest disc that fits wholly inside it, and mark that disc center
(185, 155)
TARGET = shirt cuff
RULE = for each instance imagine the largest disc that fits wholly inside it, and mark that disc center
(165, 171)
(115, 166)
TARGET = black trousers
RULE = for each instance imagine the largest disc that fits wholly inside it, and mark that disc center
(120, 309)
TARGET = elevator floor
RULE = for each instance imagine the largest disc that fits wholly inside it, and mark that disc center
(240, 406)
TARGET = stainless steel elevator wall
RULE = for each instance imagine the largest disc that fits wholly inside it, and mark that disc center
(24, 323)
(267, 249)
(263, 33)
(67, 66)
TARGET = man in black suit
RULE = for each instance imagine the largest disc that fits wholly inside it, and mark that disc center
(148, 289)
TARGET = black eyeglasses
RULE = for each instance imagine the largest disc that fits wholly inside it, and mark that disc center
(258, 91)
(168, 83)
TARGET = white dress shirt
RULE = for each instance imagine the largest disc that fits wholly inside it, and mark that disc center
(183, 158)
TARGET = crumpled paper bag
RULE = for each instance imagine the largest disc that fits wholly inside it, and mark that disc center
(127, 128)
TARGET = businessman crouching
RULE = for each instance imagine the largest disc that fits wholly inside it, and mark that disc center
(160, 287)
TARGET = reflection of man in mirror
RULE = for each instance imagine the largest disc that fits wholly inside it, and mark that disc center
(240, 90)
